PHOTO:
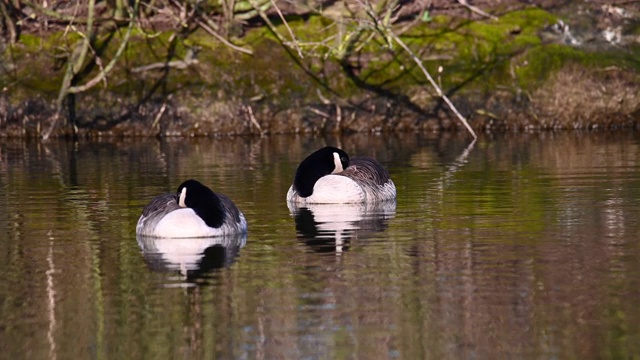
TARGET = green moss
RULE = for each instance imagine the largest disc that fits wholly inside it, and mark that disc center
(31, 41)
(479, 52)
(312, 29)
(474, 55)
(32, 44)
(540, 62)
(488, 54)
(544, 60)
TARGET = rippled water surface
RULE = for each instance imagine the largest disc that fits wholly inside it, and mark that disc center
(517, 246)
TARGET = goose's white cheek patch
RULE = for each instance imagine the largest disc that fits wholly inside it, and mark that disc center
(338, 164)
(183, 195)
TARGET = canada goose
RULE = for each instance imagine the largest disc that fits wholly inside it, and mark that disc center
(194, 211)
(329, 176)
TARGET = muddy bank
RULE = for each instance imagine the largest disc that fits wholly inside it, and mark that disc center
(573, 98)
(525, 68)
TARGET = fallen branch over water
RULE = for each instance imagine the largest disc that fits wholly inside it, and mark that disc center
(382, 26)
(434, 84)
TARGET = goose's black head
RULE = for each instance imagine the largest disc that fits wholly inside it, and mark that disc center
(203, 201)
(328, 160)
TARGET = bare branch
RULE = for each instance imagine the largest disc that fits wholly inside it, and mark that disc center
(159, 115)
(433, 83)
(77, 61)
(107, 69)
(253, 119)
(213, 33)
(286, 24)
(188, 60)
(477, 10)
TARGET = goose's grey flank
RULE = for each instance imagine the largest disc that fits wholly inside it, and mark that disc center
(330, 176)
(194, 211)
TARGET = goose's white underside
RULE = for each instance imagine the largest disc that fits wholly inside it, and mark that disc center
(185, 253)
(337, 189)
(184, 223)
(331, 189)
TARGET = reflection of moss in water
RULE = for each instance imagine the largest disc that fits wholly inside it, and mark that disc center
(485, 196)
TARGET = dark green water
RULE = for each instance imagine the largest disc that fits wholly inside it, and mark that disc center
(523, 246)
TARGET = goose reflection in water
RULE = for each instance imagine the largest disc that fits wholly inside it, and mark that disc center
(331, 227)
(192, 257)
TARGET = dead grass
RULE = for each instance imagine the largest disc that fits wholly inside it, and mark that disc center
(579, 98)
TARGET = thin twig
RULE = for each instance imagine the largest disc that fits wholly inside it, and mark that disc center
(268, 22)
(107, 69)
(383, 28)
(213, 33)
(321, 113)
(286, 24)
(477, 10)
(159, 115)
(189, 59)
(54, 15)
(76, 63)
(433, 83)
(253, 119)
(10, 25)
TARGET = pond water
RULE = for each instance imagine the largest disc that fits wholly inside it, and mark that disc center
(516, 246)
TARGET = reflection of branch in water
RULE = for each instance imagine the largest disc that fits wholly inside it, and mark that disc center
(455, 165)
(51, 304)
(57, 159)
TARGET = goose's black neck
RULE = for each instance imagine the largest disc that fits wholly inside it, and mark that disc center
(206, 204)
(320, 163)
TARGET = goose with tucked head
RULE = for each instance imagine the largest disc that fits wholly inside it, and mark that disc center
(194, 211)
(329, 176)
